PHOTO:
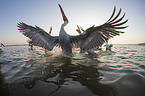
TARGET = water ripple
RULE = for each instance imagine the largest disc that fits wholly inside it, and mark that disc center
(33, 73)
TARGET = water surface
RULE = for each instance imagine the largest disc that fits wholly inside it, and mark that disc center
(25, 72)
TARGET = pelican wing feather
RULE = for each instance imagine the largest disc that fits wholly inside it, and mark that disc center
(38, 36)
(96, 36)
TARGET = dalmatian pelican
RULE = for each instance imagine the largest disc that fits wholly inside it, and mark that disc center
(93, 37)
(2, 47)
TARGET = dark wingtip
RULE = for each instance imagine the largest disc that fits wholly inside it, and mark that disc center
(19, 24)
(118, 19)
(112, 14)
(121, 27)
(122, 32)
(115, 16)
(121, 23)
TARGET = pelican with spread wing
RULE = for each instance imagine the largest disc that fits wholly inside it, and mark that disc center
(93, 37)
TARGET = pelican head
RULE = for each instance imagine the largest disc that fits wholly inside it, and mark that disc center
(63, 15)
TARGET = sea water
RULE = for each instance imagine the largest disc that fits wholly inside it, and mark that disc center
(26, 72)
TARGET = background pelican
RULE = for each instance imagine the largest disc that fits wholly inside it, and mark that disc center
(92, 38)
(108, 46)
(2, 47)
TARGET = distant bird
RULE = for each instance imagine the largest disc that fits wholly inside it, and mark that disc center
(2, 47)
(108, 46)
(92, 38)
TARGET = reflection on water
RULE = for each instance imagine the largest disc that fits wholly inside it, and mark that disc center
(67, 72)
(3, 85)
(33, 73)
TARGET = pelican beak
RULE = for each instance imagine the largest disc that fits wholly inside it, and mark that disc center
(62, 12)
(78, 30)
(50, 30)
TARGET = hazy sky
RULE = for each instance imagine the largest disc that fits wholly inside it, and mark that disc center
(85, 13)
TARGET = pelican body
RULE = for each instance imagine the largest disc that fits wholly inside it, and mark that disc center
(64, 41)
(91, 38)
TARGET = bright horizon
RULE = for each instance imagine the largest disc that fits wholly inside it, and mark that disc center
(84, 13)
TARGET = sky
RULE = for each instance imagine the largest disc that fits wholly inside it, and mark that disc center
(85, 13)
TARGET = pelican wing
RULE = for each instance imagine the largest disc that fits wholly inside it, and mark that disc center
(38, 36)
(95, 36)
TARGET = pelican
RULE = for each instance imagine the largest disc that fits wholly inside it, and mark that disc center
(2, 47)
(93, 37)
(108, 46)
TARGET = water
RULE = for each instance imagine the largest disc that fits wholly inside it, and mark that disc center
(25, 72)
